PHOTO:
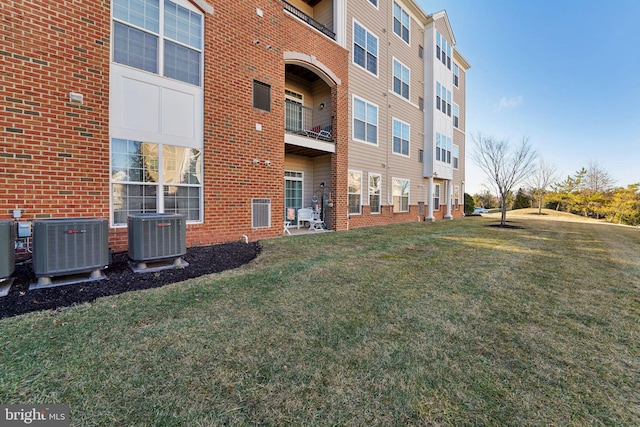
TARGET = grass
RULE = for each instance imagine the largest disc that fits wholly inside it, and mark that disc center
(447, 323)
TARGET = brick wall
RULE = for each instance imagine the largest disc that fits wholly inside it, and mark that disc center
(53, 153)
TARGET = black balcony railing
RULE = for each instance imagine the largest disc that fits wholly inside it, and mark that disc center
(307, 121)
(309, 20)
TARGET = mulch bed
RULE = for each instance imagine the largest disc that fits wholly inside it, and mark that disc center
(120, 278)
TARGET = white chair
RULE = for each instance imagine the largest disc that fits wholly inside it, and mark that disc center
(305, 215)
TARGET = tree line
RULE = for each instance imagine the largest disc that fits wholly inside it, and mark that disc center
(590, 191)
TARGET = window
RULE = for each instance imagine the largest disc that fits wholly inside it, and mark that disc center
(443, 99)
(436, 197)
(456, 75)
(420, 52)
(456, 156)
(443, 148)
(375, 190)
(374, 2)
(421, 103)
(456, 115)
(400, 22)
(400, 137)
(261, 95)
(365, 121)
(401, 79)
(365, 49)
(456, 196)
(147, 178)
(421, 156)
(443, 50)
(355, 192)
(400, 195)
(140, 41)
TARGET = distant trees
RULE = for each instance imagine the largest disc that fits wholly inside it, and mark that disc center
(522, 200)
(540, 179)
(590, 192)
(504, 165)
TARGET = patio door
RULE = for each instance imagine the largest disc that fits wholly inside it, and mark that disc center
(294, 112)
(292, 195)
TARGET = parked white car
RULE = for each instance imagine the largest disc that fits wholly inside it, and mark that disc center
(480, 210)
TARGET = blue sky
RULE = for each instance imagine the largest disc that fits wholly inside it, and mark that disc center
(564, 73)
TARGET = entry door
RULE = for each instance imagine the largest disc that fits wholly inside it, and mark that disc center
(294, 111)
(292, 195)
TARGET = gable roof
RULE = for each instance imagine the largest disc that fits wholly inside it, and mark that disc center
(443, 15)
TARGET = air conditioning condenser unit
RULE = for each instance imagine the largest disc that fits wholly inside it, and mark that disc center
(7, 248)
(157, 237)
(69, 246)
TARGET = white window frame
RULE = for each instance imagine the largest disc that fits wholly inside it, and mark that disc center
(393, 137)
(403, 13)
(366, 122)
(366, 50)
(456, 197)
(436, 196)
(456, 157)
(162, 39)
(160, 168)
(353, 173)
(456, 75)
(456, 115)
(396, 182)
(375, 3)
(372, 193)
(401, 80)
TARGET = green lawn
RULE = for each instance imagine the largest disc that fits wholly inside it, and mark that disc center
(447, 323)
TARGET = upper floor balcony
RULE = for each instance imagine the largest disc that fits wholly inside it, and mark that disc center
(316, 13)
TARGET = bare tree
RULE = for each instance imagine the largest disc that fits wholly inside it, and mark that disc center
(597, 179)
(540, 179)
(505, 166)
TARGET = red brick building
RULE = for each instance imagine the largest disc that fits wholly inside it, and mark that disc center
(234, 114)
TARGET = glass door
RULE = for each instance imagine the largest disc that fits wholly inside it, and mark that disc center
(292, 196)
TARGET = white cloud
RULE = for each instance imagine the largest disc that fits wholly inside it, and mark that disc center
(513, 102)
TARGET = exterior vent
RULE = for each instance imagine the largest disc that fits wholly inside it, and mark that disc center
(65, 246)
(156, 236)
(7, 248)
(261, 213)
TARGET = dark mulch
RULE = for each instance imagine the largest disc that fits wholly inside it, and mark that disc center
(120, 278)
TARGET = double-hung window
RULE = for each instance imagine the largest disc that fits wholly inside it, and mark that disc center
(400, 137)
(158, 36)
(400, 192)
(375, 191)
(443, 148)
(401, 22)
(436, 196)
(355, 192)
(365, 121)
(443, 50)
(456, 115)
(365, 49)
(456, 75)
(149, 178)
(443, 99)
(401, 79)
(456, 156)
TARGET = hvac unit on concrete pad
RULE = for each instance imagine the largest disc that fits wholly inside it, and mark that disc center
(69, 246)
(7, 255)
(157, 237)
(7, 248)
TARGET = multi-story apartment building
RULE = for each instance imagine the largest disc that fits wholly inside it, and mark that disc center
(406, 89)
(234, 114)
